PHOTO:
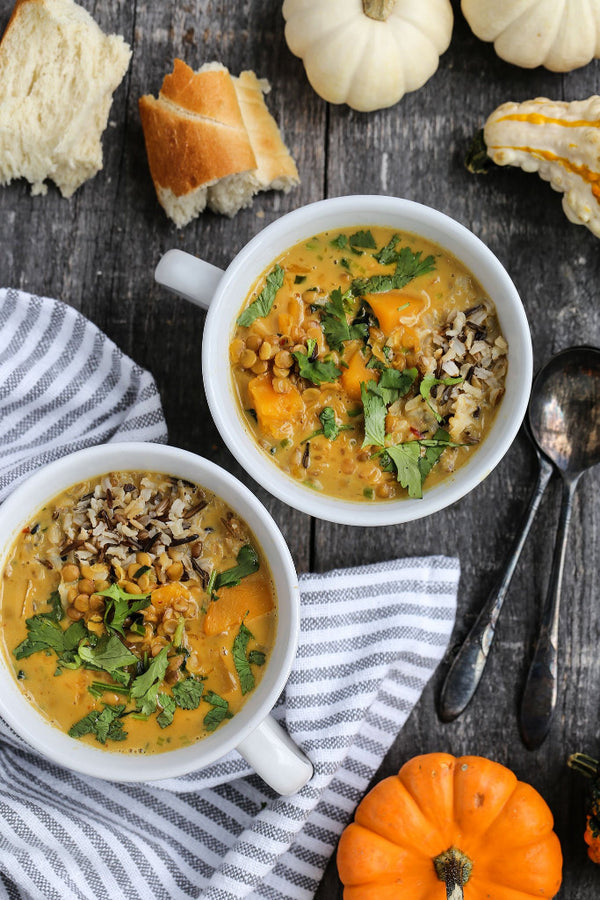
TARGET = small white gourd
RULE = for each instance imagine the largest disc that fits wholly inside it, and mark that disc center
(558, 34)
(368, 53)
(558, 140)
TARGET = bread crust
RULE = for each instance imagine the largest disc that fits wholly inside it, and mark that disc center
(210, 138)
(274, 161)
(186, 152)
(210, 94)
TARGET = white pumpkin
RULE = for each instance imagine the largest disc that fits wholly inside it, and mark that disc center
(558, 34)
(368, 53)
(558, 140)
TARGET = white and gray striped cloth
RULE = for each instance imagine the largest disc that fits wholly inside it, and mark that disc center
(370, 639)
(64, 386)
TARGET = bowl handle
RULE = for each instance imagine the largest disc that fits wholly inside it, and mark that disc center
(192, 278)
(275, 757)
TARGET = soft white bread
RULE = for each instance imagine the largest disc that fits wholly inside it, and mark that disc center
(212, 142)
(58, 72)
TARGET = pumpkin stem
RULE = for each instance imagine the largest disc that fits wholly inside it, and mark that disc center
(584, 764)
(378, 9)
(454, 868)
(477, 160)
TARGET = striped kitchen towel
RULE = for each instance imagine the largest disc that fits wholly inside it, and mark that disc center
(370, 639)
(64, 386)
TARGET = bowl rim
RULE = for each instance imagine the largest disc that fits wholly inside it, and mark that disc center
(361, 210)
(22, 715)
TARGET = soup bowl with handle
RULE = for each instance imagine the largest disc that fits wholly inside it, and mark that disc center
(222, 294)
(252, 731)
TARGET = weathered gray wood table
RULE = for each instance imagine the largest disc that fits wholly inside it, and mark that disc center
(98, 251)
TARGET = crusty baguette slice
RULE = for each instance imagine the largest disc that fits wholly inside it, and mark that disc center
(195, 136)
(212, 142)
(58, 72)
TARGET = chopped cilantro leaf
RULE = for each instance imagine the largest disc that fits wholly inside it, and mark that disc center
(340, 241)
(57, 612)
(299, 279)
(406, 459)
(414, 460)
(109, 654)
(120, 605)
(167, 706)
(393, 384)
(363, 239)
(264, 302)
(219, 711)
(257, 658)
(330, 427)
(375, 411)
(145, 687)
(409, 265)
(44, 633)
(315, 371)
(388, 256)
(188, 693)
(247, 563)
(335, 324)
(242, 666)
(103, 725)
(425, 389)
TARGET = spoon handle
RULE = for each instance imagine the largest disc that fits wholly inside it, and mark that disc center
(468, 665)
(539, 697)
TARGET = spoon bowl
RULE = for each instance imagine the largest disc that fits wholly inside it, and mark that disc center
(564, 410)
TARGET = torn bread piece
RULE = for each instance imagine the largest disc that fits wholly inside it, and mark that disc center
(58, 72)
(211, 141)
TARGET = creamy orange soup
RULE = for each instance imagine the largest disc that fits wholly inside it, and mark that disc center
(367, 362)
(137, 612)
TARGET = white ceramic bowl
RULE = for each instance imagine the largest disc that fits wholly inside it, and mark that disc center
(252, 731)
(224, 293)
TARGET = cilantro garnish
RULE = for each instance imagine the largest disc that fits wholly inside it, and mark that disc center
(257, 658)
(340, 241)
(242, 666)
(313, 370)
(167, 705)
(363, 239)
(263, 303)
(109, 654)
(414, 460)
(375, 411)
(145, 687)
(103, 725)
(247, 563)
(188, 693)
(120, 605)
(409, 265)
(299, 279)
(219, 711)
(57, 612)
(335, 324)
(330, 427)
(44, 633)
(425, 390)
(393, 384)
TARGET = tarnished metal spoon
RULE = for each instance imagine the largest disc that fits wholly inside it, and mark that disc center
(468, 665)
(564, 418)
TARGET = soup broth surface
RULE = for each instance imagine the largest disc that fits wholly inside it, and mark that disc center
(137, 612)
(368, 363)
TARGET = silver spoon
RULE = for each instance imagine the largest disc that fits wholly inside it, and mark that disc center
(467, 668)
(564, 417)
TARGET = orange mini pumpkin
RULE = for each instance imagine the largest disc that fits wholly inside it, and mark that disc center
(456, 827)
